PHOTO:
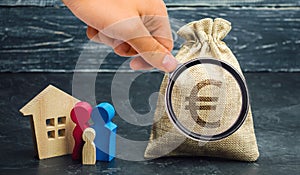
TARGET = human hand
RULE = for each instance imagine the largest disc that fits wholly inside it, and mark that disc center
(130, 27)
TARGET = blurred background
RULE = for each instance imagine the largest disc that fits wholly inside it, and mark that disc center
(41, 42)
(43, 36)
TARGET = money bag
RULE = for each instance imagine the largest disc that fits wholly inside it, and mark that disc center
(203, 39)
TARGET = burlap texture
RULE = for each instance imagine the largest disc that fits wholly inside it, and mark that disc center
(203, 39)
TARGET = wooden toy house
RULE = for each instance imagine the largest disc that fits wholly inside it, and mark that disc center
(51, 123)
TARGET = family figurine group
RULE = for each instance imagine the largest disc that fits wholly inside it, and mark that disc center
(95, 139)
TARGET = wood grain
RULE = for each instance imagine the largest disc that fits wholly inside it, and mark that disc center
(89, 148)
(50, 112)
(44, 3)
(41, 3)
(232, 2)
(34, 39)
(275, 99)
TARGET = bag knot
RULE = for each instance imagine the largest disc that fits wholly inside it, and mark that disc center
(205, 31)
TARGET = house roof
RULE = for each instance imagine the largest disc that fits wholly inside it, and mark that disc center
(27, 109)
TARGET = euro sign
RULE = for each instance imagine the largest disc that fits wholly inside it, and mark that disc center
(194, 98)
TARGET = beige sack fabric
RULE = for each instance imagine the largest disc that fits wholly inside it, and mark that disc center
(203, 39)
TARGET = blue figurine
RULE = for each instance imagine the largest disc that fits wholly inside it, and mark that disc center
(105, 140)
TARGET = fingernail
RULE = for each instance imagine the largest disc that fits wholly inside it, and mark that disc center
(169, 63)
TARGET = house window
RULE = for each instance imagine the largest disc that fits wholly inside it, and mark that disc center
(50, 122)
(51, 134)
(56, 127)
(61, 120)
(61, 133)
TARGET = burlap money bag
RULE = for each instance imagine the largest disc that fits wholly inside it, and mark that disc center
(203, 39)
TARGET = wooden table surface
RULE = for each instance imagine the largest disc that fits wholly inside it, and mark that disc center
(275, 100)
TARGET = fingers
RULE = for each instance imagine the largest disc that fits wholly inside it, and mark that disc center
(159, 28)
(166, 42)
(156, 21)
(125, 50)
(119, 25)
(92, 33)
(154, 53)
(97, 36)
(121, 48)
(139, 63)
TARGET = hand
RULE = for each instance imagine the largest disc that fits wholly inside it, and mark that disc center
(131, 27)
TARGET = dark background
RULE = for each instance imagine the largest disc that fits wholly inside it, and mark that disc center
(41, 41)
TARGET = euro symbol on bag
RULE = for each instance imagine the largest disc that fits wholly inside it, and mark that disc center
(194, 98)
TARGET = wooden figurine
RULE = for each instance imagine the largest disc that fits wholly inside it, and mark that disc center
(89, 149)
(80, 115)
(105, 140)
(50, 122)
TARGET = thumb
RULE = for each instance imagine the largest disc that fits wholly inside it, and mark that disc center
(154, 53)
